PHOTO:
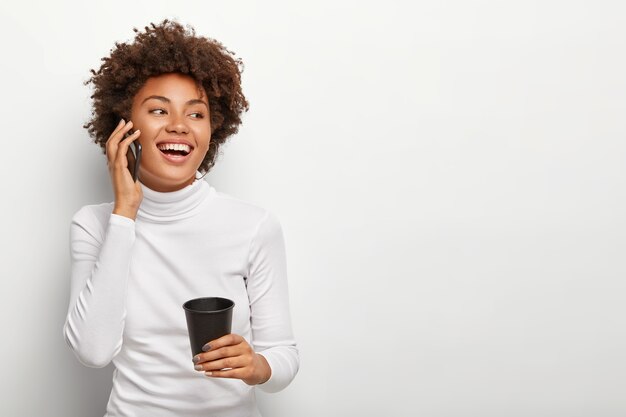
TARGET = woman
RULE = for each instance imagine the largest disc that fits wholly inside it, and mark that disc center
(171, 237)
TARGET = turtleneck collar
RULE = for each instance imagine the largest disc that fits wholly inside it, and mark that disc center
(164, 207)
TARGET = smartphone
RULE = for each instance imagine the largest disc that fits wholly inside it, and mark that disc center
(134, 159)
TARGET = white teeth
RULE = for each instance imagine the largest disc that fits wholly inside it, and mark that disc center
(175, 147)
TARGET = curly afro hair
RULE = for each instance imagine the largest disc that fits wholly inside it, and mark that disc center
(165, 48)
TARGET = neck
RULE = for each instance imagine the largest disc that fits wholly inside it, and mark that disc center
(158, 206)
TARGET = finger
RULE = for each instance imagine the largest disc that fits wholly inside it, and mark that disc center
(120, 131)
(227, 340)
(122, 148)
(237, 373)
(116, 137)
(118, 127)
(225, 352)
(225, 363)
(215, 347)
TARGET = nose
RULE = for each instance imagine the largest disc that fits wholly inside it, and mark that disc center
(176, 123)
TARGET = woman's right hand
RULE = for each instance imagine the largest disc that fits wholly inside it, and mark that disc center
(128, 194)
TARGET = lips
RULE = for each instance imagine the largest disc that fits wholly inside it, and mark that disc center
(181, 148)
(175, 150)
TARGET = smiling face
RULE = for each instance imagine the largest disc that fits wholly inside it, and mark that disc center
(172, 113)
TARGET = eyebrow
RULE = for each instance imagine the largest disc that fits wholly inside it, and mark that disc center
(167, 100)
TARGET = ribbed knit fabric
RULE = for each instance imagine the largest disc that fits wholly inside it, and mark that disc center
(130, 279)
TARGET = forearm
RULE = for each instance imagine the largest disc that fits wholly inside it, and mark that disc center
(283, 362)
(95, 319)
(269, 306)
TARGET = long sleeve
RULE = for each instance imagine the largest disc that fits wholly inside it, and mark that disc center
(100, 258)
(269, 305)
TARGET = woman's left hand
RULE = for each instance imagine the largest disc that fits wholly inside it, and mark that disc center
(233, 351)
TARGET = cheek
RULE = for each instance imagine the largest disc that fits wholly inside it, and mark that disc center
(204, 144)
(135, 115)
(146, 124)
(205, 149)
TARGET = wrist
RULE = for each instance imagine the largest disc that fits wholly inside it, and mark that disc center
(266, 370)
(129, 212)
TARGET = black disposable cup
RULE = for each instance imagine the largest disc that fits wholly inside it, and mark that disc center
(208, 318)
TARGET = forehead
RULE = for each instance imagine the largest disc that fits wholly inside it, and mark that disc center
(174, 86)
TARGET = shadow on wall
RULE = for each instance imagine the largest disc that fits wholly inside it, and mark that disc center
(85, 390)
(89, 387)
(81, 391)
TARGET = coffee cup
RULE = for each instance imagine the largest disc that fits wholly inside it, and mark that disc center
(208, 318)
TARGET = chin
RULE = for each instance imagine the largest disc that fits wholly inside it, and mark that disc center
(168, 180)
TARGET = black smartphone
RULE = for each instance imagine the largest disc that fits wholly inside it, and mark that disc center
(134, 159)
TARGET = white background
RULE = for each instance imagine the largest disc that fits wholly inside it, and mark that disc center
(449, 175)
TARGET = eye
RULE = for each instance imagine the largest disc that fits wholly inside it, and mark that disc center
(158, 111)
(197, 115)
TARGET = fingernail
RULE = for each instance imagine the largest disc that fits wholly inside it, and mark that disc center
(121, 122)
(206, 347)
(198, 368)
(208, 373)
(196, 359)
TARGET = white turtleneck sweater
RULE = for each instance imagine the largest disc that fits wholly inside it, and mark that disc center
(129, 282)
